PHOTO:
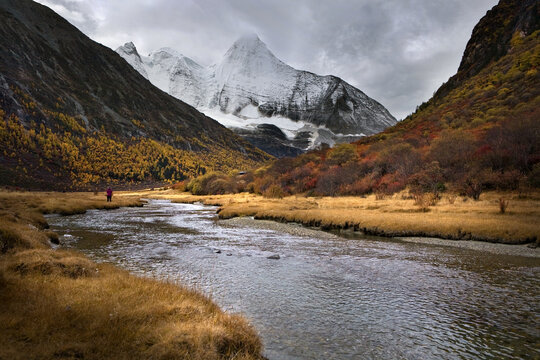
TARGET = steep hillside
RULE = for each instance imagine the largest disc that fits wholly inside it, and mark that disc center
(75, 113)
(481, 130)
(497, 83)
(250, 86)
(492, 38)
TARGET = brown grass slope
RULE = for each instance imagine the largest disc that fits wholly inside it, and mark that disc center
(59, 304)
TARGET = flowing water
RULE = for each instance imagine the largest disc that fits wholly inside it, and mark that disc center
(328, 298)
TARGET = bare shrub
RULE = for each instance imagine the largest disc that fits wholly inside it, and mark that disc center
(212, 183)
(379, 195)
(399, 157)
(474, 183)
(221, 186)
(425, 200)
(452, 149)
(274, 192)
(451, 198)
(361, 186)
(503, 204)
(429, 179)
(391, 183)
(407, 196)
(331, 180)
(261, 184)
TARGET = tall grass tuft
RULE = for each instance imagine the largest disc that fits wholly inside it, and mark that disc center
(425, 200)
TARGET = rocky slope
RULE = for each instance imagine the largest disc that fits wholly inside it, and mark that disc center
(250, 86)
(62, 94)
(491, 38)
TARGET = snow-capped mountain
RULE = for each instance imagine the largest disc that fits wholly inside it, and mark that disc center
(251, 87)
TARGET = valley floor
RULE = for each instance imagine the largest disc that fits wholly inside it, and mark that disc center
(60, 304)
(452, 218)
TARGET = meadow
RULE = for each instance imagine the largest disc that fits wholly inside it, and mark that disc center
(60, 304)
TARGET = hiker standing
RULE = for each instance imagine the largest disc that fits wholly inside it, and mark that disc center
(109, 195)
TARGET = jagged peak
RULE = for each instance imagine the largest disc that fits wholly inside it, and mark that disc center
(176, 58)
(249, 51)
(128, 48)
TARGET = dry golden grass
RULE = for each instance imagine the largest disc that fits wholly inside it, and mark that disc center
(397, 215)
(21, 214)
(59, 304)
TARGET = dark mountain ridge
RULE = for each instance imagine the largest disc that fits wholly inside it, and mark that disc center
(54, 76)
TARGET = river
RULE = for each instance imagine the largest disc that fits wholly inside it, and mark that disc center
(328, 297)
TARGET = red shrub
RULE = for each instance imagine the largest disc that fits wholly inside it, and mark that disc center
(361, 186)
(391, 183)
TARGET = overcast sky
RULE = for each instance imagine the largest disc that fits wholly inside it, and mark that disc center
(396, 51)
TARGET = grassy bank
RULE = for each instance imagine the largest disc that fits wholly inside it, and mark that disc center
(59, 304)
(450, 218)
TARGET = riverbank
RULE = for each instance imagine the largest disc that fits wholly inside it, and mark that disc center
(299, 230)
(397, 216)
(60, 304)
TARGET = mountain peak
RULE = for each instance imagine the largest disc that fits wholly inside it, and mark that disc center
(130, 45)
(249, 38)
(128, 48)
(250, 85)
(249, 44)
(129, 52)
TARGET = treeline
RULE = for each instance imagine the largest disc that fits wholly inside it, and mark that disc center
(40, 156)
(507, 158)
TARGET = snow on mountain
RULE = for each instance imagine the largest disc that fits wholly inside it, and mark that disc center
(250, 86)
(250, 74)
(129, 52)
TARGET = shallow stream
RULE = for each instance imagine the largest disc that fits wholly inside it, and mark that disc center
(328, 297)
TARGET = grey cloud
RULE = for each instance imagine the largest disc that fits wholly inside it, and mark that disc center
(396, 51)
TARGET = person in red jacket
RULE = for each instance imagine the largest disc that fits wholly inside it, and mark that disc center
(109, 195)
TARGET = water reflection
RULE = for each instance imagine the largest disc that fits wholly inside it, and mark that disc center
(329, 299)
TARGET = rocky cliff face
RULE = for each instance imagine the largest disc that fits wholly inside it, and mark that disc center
(491, 37)
(250, 86)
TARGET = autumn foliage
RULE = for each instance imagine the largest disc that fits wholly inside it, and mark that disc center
(484, 134)
(70, 157)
